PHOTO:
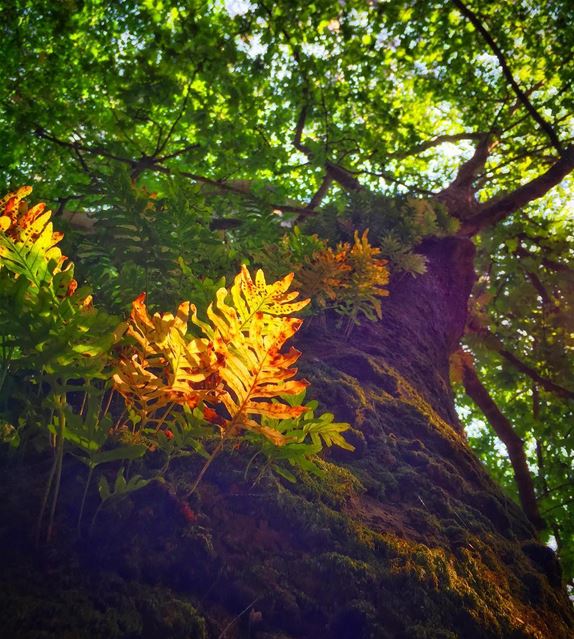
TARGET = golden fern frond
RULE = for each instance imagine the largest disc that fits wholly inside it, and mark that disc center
(28, 243)
(249, 299)
(256, 371)
(369, 275)
(247, 330)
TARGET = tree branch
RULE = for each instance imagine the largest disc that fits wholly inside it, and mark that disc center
(505, 432)
(162, 144)
(519, 365)
(321, 192)
(429, 144)
(336, 172)
(498, 209)
(540, 289)
(545, 126)
(169, 156)
(40, 132)
(391, 178)
(146, 163)
(550, 264)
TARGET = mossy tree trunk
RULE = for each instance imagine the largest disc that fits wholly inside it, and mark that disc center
(411, 539)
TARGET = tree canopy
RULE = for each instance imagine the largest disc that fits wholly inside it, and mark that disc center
(176, 140)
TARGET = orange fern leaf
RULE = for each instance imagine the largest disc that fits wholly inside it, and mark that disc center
(163, 367)
(323, 275)
(370, 273)
(256, 371)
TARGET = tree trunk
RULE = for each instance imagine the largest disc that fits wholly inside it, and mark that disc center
(416, 542)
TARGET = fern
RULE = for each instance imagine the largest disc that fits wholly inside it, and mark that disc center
(306, 436)
(238, 363)
(46, 321)
(402, 258)
(247, 337)
(179, 388)
(28, 245)
(369, 276)
(351, 279)
(398, 224)
(324, 276)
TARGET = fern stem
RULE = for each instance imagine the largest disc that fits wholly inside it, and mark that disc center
(162, 419)
(84, 497)
(6, 359)
(253, 458)
(45, 500)
(93, 522)
(59, 461)
(207, 464)
(56, 466)
(107, 407)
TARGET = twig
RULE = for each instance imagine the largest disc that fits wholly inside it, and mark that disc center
(224, 631)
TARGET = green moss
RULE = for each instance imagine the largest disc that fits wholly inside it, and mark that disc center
(65, 604)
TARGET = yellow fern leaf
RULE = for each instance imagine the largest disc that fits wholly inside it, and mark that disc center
(248, 300)
(28, 243)
(255, 371)
(247, 330)
(369, 275)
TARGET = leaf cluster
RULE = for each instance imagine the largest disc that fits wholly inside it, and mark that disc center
(398, 226)
(349, 279)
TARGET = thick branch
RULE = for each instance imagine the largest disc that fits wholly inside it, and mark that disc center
(230, 187)
(343, 177)
(514, 445)
(545, 126)
(321, 192)
(498, 209)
